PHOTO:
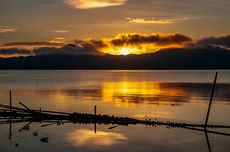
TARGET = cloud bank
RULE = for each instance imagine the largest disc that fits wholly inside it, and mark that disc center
(140, 43)
(32, 45)
(222, 41)
(134, 43)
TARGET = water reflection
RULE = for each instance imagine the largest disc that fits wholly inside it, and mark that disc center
(78, 139)
(85, 137)
(129, 94)
(158, 95)
(180, 96)
(134, 93)
(155, 114)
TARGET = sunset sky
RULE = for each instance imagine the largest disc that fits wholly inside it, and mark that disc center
(54, 23)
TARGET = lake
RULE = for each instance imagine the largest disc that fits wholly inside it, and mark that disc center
(180, 96)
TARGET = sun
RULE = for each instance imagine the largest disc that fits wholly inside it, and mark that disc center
(125, 51)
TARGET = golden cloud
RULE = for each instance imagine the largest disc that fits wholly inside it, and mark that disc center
(133, 43)
(4, 29)
(58, 40)
(60, 31)
(90, 4)
(154, 20)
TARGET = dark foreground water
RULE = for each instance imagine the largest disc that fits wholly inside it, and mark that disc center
(180, 96)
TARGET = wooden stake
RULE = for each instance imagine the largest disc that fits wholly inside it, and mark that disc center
(95, 124)
(210, 102)
(10, 102)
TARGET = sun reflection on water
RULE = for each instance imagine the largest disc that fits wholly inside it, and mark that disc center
(85, 137)
(129, 94)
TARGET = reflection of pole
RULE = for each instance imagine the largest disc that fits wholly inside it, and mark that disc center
(10, 134)
(208, 143)
(95, 115)
(210, 102)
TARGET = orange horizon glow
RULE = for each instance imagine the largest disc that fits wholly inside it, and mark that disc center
(137, 50)
(121, 44)
(135, 43)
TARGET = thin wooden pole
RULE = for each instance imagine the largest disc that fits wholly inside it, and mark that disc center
(25, 106)
(10, 102)
(95, 111)
(210, 101)
(95, 124)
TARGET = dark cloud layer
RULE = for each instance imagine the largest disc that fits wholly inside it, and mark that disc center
(41, 43)
(152, 38)
(69, 49)
(222, 41)
(14, 51)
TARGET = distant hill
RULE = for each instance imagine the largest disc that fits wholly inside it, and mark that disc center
(210, 58)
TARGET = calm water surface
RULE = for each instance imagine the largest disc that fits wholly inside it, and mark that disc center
(164, 95)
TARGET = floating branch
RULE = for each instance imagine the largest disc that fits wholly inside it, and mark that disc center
(27, 114)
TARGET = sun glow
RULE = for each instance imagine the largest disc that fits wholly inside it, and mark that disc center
(125, 51)
(134, 49)
(134, 43)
